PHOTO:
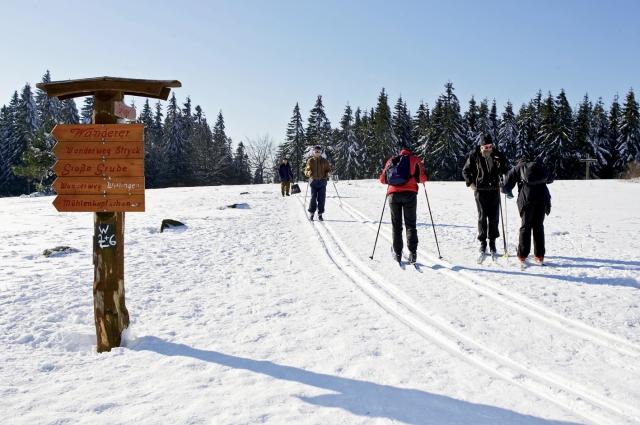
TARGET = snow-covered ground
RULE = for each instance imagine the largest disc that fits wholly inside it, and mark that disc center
(256, 315)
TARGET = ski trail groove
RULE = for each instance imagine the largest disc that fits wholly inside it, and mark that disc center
(515, 301)
(579, 402)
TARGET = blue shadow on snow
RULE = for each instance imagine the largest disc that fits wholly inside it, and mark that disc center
(361, 398)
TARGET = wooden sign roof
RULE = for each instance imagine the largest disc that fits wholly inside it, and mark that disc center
(155, 89)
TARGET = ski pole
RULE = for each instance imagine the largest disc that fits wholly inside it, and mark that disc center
(432, 225)
(380, 222)
(334, 186)
(305, 195)
(504, 237)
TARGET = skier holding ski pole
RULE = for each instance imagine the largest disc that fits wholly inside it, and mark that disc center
(402, 174)
(482, 171)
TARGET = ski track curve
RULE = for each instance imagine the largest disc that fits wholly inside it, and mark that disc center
(580, 402)
(513, 301)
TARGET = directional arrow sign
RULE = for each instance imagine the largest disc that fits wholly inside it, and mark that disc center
(99, 185)
(123, 111)
(98, 150)
(98, 132)
(99, 168)
(97, 203)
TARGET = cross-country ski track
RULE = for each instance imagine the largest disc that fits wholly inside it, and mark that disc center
(586, 400)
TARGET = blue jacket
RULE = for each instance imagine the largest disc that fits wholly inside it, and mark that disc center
(285, 172)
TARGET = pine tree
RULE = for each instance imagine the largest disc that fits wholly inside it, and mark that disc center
(508, 133)
(86, 114)
(527, 123)
(581, 132)
(614, 166)
(241, 165)
(175, 145)
(556, 136)
(222, 157)
(370, 166)
(421, 124)
(146, 119)
(37, 161)
(347, 151)
(385, 143)
(318, 131)
(295, 144)
(69, 112)
(445, 154)
(484, 122)
(598, 139)
(471, 121)
(49, 109)
(402, 125)
(27, 125)
(361, 149)
(629, 138)
(202, 151)
(494, 121)
(9, 182)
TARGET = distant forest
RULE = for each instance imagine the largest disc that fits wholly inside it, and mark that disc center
(182, 149)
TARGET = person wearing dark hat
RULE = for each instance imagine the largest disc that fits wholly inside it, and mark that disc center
(285, 176)
(534, 201)
(482, 171)
(318, 170)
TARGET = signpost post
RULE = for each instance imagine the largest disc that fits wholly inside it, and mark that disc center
(587, 161)
(100, 169)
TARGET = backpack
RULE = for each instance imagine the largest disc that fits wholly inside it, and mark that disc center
(399, 170)
(533, 174)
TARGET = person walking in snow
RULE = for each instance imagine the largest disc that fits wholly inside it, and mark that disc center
(318, 170)
(482, 171)
(534, 201)
(285, 176)
(403, 199)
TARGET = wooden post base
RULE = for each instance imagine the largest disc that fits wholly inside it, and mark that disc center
(110, 311)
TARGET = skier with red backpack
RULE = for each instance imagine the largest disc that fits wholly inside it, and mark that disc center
(402, 174)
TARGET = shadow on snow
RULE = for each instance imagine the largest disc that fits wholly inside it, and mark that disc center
(361, 398)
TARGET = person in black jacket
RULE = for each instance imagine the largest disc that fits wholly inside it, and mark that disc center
(482, 172)
(285, 176)
(534, 201)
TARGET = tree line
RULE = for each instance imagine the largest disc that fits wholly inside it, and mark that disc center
(546, 129)
(182, 149)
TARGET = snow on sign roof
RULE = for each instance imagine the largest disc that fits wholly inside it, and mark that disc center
(156, 89)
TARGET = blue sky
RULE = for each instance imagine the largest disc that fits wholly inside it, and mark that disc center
(255, 59)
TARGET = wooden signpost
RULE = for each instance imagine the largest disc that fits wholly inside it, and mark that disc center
(100, 169)
(588, 161)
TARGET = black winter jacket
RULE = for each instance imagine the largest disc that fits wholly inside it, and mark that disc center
(476, 169)
(285, 172)
(528, 194)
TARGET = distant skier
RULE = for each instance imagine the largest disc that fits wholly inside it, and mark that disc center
(402, 174)
(534, 201)
(285, 176)
(482, 172)
(319, 171)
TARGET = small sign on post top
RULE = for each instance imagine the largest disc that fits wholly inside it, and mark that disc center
(123, 111)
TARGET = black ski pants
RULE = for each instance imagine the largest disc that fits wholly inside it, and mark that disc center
(404, 203)
(532, 216)
(488, 203)
(318, 195)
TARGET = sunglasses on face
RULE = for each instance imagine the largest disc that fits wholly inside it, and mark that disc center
(487, 147)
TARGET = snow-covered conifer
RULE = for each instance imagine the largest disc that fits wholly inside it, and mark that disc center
(508, 133)
(48, 108)
(598, 140)
(402, 125)
(174, 144)
(385, 142)
(629, 138)
(86, 113)
(346, 155)
(318, 131)
(295, 144)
